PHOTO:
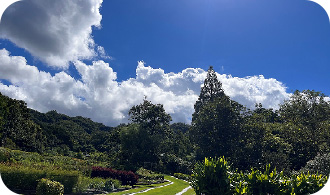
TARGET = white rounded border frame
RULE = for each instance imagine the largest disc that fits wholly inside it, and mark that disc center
(6, 3)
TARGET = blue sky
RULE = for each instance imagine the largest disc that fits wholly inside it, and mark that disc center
(286, 40)
(262, 51)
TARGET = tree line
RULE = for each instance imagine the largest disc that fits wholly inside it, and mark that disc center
(287, 138)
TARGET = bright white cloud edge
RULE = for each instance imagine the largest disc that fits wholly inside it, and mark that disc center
(99, 96)
(55, 32)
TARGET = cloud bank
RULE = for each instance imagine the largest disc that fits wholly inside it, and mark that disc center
(99, 96)
(55, 32)
(59, 32)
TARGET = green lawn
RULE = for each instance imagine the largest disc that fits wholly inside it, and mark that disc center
(138, 188)
(189, 192)
(177, 186)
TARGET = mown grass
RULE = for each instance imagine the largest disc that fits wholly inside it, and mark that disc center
(189, 192)
(177, 186)
(138, 188)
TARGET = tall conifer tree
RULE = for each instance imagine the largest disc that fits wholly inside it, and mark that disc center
(211, 90)
(216, 120)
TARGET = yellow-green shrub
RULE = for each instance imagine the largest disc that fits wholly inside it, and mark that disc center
(211, 177)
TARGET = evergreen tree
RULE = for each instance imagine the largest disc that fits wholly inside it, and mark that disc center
(216, 121)
(211, 90)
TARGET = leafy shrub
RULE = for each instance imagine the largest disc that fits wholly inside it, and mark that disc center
(215, 177)
(97, 183)
(126, 177)
(211, 177)
(48, 187)
(269, 182)
(149, 176)
(68, 178)
(182, 176)
(4, 154)
(307, 183)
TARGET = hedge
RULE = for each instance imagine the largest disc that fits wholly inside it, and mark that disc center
(149, 175)
(97, 183)
(18, 177)
(182, 176)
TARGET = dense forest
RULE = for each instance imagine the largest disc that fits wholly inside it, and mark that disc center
(295, 138)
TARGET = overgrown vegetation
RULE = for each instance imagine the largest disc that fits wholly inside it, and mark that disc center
(215, 176)
(295, 138)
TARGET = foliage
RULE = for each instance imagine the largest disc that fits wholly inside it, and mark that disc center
(173, 163)
(151, 117)
(216, 128)
(183, 176)
(17, 130)
(97, 183)
(216, 120)
(211, 177)
(146, 140)
(26, 178)
(214, 176)
(149, 176)
(65, 134)
(211, 90)
(48, 187)
(21, 178)
(320, 164)
(126, 177)
(310, 113)
(68, 178)
(49, 162)
(294, 138)
(268, 182)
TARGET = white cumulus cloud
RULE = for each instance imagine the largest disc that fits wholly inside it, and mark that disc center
(99, 96)
(55, 32)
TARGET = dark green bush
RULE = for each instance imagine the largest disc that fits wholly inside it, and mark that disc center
(320, 164)
(97, 183)
(48, 187)
(4, 155)
(149, 176)
(182, 176)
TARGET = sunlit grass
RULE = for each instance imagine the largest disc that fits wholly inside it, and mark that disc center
(189, 192)
(139, 188)
(177, 186)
